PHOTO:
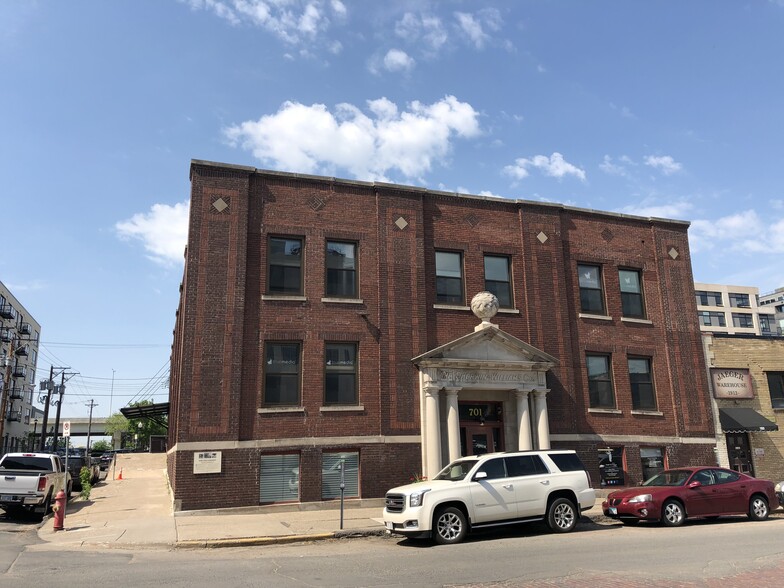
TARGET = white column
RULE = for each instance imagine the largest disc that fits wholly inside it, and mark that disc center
(542, 426)
(433, 432)
(523, 421)
(453, 423)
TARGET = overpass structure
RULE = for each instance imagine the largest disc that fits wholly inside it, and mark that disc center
(79, 426)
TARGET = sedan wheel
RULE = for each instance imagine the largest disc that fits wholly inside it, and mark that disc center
(758, 508)
(673, 514)
(451, 526)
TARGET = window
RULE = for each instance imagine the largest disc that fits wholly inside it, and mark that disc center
(765, 323)
(643, 396)
(631, 293)
(743, 320)
(712, 319)
(739, 300)
(497, 279)
(449, 278)
(652, 461)
(279, 478)
(725, 476)
(281, 378)
(285, 266)
(705, 298)
(494, 468)
(600, 388)
(525, 465)
(340, 382)
(591, 297)
(567, 462)
(331, 465)
(776, 387)
(341, 265)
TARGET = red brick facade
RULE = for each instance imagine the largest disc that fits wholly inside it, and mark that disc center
(226, 316)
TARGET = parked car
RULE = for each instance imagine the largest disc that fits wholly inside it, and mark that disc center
(492, 489)
(76, 461)
(30, 482)
(106, 460)
(698, 492)
(780, 492)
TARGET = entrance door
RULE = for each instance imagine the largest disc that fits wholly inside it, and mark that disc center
(739, 451)
(480, 439)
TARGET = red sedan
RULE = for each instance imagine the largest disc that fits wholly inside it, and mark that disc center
(700, 492)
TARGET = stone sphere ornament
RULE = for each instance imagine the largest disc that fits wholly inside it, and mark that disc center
(485, 306)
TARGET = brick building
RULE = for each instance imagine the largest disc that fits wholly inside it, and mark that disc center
(325, 324)
(747, 382)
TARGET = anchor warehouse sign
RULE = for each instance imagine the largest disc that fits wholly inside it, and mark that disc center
(731, 383)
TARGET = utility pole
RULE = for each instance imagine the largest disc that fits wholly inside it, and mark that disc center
(89, 429)
(59, 403)
(48, 386)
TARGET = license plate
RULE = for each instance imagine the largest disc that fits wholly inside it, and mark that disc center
(613, 510)
(389, 525)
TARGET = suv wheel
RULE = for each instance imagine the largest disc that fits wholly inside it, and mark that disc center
(561, 515)
(450, 526)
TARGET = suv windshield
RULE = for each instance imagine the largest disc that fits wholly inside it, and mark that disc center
(669, 478)
(457, 470)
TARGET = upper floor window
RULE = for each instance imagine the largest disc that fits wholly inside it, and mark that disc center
(449, 277)
(776, 387)
(712, 319)
(341, 269)
(497, 279)
(591, 295)
(340, 381)
(765, 323)
(641, 380)
(739, 300)
(631, 293)
(705, 298)
(600, 387)
(282, 374)
(743, 320)
(285, 266)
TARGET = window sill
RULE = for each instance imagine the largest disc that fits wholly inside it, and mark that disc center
(648, 412)
(343, 300)
(281, 410)
(283, 297)
(508, 311)
(450, 307)
(636, 321)
(343, 408)
(598, 317)
(605, 410)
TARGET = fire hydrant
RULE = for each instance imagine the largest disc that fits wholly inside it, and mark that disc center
(59, 511)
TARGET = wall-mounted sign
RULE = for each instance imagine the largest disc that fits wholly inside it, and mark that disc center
(207, 462)
(731, 383)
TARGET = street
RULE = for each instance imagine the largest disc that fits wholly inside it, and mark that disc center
(727, 552)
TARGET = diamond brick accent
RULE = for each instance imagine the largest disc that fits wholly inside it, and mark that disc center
(316, 203)
(220, 205)
(542, 237)
(673, 253)
(607, 235)
(401, 223)
(472, 220)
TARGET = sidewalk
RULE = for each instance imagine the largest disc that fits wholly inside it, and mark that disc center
(136, 512)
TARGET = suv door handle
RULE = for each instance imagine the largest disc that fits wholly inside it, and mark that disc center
(544, 482)
(508, 486)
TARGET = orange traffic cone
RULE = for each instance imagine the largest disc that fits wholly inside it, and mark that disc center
(120, 476)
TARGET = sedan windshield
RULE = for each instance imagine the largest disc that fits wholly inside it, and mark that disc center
(457, 470)
(669, 478)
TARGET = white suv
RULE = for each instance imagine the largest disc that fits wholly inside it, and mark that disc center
(492, 489)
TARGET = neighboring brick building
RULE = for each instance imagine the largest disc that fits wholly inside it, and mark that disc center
(326, 322)
(747, 381)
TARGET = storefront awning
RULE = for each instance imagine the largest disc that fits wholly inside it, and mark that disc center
(742, 420)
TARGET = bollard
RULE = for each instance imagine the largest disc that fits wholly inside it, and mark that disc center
(59, 511)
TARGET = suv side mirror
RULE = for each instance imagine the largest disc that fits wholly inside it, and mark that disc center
(480, 476)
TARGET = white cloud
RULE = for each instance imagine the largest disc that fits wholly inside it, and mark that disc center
(163, 231)
(613, 169)
(777, 204)
(474, 26)
(425, 29)
(673, 210)
(665, 163)
(398, 60)
(743, 231)
(293, 21)
(310, 139)
(554, 166)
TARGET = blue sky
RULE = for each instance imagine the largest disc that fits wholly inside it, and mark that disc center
(657, 109)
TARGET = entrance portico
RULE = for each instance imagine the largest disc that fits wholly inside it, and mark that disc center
(486, 387)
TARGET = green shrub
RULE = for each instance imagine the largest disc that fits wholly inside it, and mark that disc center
(84, 475)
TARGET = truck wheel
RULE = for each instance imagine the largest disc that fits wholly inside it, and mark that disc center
(450, 526)
(561, 515)
(47, 505)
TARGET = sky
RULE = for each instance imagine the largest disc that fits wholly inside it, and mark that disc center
(666, 109)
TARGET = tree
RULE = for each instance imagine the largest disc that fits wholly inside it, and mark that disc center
(101, 445)
(116, 425)
(141, 429)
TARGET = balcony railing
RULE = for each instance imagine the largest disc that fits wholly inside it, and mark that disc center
(25, 329)
(19, 371)
(14, 415)
(22, 350)
(16, 393)
(7, 311)
(6, 335)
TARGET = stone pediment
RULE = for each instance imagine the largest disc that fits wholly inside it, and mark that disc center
(489, 348)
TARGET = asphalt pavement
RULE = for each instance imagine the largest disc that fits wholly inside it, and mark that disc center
(132, 508)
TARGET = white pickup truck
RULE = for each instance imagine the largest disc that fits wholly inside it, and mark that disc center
(31, 481)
